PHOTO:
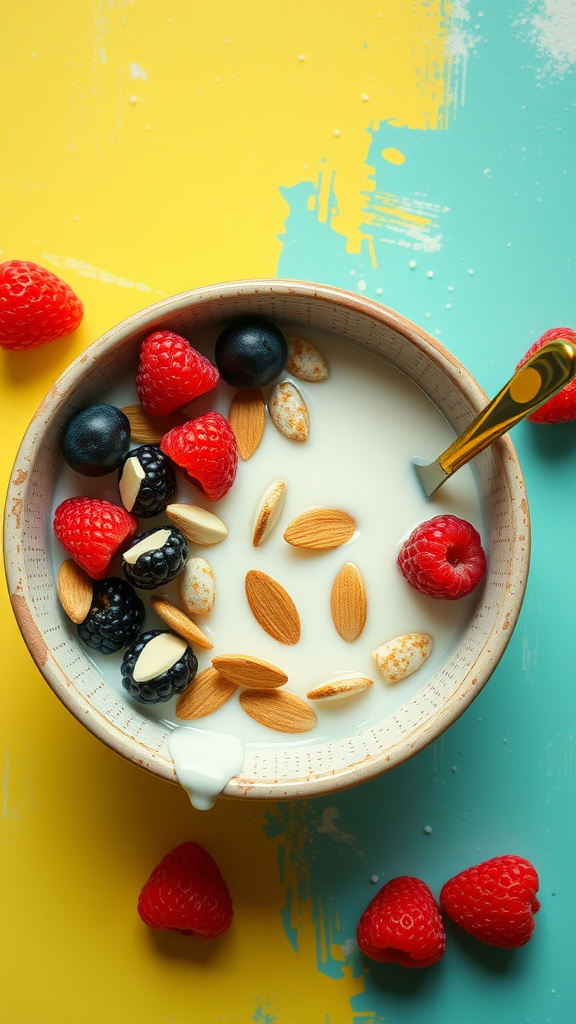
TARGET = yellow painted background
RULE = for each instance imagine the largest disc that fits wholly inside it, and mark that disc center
(131, 190)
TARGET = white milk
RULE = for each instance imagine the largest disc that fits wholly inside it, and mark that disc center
(367, 422)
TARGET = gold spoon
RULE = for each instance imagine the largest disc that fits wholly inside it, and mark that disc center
(549, 370)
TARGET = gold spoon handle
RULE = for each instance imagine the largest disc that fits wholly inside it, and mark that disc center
(549, 370)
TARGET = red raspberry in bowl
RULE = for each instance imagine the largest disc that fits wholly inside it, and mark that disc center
(35, 306)
(206, 450)
(495, 901)
(171, 373)
(561, 408)
(92, 531)
(443, 558)
(402, 925)
(186, 893)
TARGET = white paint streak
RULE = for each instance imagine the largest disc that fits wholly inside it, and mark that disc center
(329, 827)
(137, 72)
(408, 222)
(95, 273)
(460, 42)
(550, 26)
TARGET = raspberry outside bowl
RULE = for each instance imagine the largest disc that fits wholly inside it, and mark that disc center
(299, 770)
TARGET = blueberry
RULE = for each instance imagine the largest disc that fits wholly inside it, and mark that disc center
(96, 440)
(251, 353)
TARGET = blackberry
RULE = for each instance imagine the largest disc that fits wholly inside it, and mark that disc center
(158, 666)
(115, 617)
(155, 557)
(146, 480)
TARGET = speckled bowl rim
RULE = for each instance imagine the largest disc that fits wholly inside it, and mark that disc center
(149, 758)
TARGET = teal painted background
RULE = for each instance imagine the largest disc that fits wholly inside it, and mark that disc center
(502, 180)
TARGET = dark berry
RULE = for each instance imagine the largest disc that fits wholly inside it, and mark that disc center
(251, 353)
(146, 480)
(96, 440)
(158, 666)
(115, 618)
(155, 557)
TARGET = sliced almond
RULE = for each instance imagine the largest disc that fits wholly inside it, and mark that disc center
(197, 524)
(153, 542)
(247, 418)
(402, 656)
(180, 623)
(348, 602)
(272, 607)
(279, 709)
(269, 511)
(248, 671)
(288, 411)
(208, 692)
(75, 590)
(129, 483)
(320, 529)
(150, 429)
(197, 586)
(340, 686)
(158, 656)
(305, 361)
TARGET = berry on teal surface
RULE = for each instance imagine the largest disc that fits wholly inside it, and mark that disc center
(402, 925)
(250, 353)
(561, 408)
(96, 440)
(494, 901)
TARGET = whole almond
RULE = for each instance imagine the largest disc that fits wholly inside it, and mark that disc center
(180, 623)
(279, 709)
(248, 671)
(197, 524)
(208, 692)
(269, 511)
(320, 529)
(304, 360)
(197, 586)
(247, 418)
(348, 602)
(340, 686)
(150, 429)
(75, 590)
(272, 607)
(288, 411)
(402, 656)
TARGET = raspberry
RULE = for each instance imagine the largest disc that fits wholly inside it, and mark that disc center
(402, 925)
(495, 901)
(171, 373)
(206, 449)
(35, 306)
(561, 408)
(186, 893)
(443, 558)
(92, 531)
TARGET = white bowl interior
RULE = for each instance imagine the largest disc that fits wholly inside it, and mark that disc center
(297, 771)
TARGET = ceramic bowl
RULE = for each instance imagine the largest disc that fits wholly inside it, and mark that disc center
(311, 769)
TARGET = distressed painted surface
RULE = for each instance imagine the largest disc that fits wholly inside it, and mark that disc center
(153, 146)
